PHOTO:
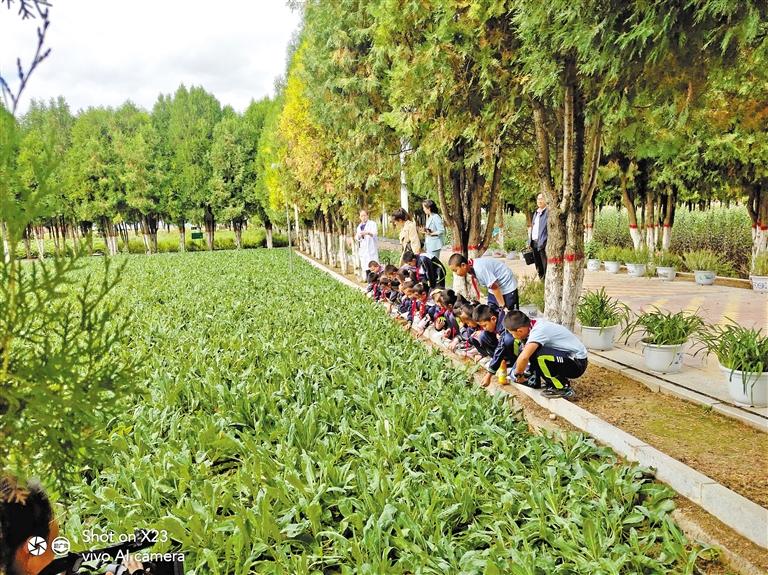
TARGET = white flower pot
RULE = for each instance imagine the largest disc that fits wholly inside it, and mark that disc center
(636, 270)
(530, 310)
(665, 273)
(759, 283)
(612, 267)
(663, 358)
(756, 387)
(593, 265)
(600, 338)
(704, 277)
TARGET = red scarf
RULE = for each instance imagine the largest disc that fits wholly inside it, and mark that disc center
(471, 264)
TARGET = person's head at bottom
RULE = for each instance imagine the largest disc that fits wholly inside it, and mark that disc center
(27, 528)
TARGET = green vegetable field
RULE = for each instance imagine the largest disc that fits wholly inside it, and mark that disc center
(283, 424)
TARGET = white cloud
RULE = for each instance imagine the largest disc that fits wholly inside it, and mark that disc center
(106, 52)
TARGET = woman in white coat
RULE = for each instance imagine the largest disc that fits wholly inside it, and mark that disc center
(366, 236)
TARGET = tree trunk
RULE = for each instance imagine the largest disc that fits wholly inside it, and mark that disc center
(650, 221)
(182, 236)
(210, 227)
(628, 199)
(238, 227)
(27, 243)
(469, 190)
(145, 236)
(500, 218)
(757, 206)
(7, 254)
(123, 231)
(403, 182)
(669, 219)
(565, 269)
(39, 232)
(589, 222)
(268, 227)
(343, 261)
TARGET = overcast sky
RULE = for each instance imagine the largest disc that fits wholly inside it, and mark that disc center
(105, 52)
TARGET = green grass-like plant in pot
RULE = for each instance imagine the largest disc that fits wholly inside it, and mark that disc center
(759, 275)
(531, 291)
(612, 257)
(743, 356)
(664, 335)
(666, 264)
(600, 317)
(706, 265)
(637, 261)
(591, 249)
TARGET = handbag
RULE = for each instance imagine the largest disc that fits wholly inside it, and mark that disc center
(528, 256)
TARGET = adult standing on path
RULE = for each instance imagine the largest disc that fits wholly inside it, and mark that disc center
(367, 240)
(539, 236)
(493, 274)
(409, 235)
(434, 230)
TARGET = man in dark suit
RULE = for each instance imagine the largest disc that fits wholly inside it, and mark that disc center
(539, 236)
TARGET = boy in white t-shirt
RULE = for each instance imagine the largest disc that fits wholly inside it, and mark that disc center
(555, 354)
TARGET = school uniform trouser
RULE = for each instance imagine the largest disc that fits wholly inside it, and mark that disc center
(511, 300)
(540, 258)
(554, 366)
(484, 342)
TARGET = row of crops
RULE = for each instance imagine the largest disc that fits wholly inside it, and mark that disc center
(283, 424)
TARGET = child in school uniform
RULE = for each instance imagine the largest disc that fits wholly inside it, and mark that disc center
(487, 339)
(462, 345)
(555, 354)
(375, 267)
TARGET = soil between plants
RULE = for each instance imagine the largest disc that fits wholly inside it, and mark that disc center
(728, 451)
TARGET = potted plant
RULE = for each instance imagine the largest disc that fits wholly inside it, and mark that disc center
(590, 252)
(743, 357)
(664, 335)
(706, 265)
(513, 247)
(531, 292)
(600, 316)
(666, 265)
(759, 275)
(637, 261)
(612, 257)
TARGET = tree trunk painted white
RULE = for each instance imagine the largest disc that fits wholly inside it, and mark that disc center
(500, 218)
(6, 243)
(238, 236)
(384, 218)
(666, 237)
(39, 233)
(182, 238)
(343, 260)
(329, 246)
(637, 238)
(356, 258)
(403, 181)
(270, 243)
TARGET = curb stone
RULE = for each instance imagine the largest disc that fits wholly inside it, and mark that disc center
(745, 517)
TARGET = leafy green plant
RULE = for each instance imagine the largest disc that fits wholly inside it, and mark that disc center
(666, 259)
(707, 260)
(760, 265)
(515, 244)
(641, 256)
(612, 254)
(389, 257)
(591, 249)
(663, 327)
(738, 348)
(260, 447)
(531, 291)
(597, 309)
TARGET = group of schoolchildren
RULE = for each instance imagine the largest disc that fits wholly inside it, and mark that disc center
(535, 352)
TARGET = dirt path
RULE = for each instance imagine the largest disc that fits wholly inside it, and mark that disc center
(729, 452)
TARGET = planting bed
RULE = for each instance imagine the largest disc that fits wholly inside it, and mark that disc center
(286, 425)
